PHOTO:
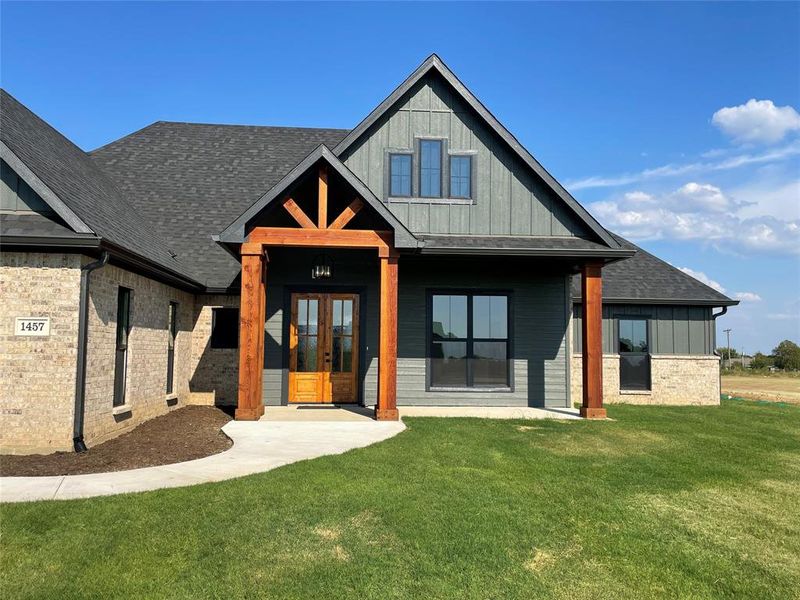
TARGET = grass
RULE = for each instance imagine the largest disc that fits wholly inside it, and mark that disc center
(660, 502)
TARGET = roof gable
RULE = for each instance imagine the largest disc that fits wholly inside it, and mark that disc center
(433, 65)
(236, 231)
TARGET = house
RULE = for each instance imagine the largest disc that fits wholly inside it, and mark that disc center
(423, 257)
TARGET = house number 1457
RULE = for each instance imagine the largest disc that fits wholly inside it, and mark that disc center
(38, 326)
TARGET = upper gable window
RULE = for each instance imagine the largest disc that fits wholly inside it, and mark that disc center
(461, 176)
(400, 175)
(430, 171)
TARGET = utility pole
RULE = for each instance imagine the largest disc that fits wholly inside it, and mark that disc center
(728, 333)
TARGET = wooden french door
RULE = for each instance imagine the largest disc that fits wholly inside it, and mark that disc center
(323, 348)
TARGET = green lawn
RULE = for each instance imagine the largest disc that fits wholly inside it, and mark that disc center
(671, 502)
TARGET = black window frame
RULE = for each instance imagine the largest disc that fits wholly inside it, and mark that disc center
(172, 336)
(219, 340)
(442, 161)
(470, 340)
(410, 155)
(619, 318)
(470, 178)
(121, 344)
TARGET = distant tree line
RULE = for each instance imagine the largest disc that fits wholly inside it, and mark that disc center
(785, 356)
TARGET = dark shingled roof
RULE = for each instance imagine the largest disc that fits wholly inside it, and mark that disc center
(78, 182)
(174, 185)
(648, 279)
(194, 180)
(543, 245)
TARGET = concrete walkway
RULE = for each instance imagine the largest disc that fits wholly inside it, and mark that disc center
(257, 447)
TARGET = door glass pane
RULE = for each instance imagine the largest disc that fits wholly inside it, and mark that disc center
(337, 316)
(311, 354)
(449, 364)
(347, 317)
(489, 364)
(347, 354)
(490, 317)
(302, 316)
(312, 316)
(449, 317)
(336, 358)
(302, 343)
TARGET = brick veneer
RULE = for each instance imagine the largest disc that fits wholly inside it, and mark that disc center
(215, 371)
(675, 380)
(37, 374)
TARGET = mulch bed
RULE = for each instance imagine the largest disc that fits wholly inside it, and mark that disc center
(184, 434)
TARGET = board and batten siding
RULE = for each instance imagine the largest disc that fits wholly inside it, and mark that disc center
(685, 330)
(539, 345)
(508, 199)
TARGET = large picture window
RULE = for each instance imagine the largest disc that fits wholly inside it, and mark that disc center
(469, 340)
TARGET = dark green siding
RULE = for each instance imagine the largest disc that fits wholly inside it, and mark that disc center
(540, 310)
(673, 329)
(508, 198)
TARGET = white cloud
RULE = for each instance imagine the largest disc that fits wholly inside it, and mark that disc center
(676, 170)
(774, 198)
(757, 121)
(702, 277)
(697, 211)
(747, 296)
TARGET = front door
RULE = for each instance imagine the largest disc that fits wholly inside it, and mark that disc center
(323, 348)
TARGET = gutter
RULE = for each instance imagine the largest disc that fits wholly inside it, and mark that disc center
(83, 332)
(714, 318)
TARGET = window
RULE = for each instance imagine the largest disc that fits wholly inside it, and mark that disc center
(430, 169)
(461, 177)
(225, 328)
(121, 354)
(469, 341)
(400, 175)
(172, 333)
(633, 347)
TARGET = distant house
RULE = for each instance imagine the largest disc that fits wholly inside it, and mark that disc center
(423, 257)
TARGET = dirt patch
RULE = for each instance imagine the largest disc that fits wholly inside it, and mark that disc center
(184, 434)
(771, 388)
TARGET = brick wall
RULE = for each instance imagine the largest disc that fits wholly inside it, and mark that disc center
(37, 374)
(215, 371)
(146, 380)
(675, 380)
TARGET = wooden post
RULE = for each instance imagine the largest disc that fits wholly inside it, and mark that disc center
(252, 313)
(387, 352)
(592, 331)
(322, 198)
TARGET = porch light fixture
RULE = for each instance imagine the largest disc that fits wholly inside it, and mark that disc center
(323, 267)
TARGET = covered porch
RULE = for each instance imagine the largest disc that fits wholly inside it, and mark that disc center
(320, 211)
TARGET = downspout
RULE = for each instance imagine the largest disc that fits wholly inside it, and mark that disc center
(714, 318)
(83, 332)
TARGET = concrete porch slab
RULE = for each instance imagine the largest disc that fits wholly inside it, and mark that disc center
(489, 412)
(318, 412)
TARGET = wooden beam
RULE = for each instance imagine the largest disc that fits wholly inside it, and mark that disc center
(323, 238)
(387, 347)
(298, 214)
(323, 198)
(592, 332)
(251, 332)
(347, 214)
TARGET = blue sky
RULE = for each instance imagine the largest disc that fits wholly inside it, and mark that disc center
(641, 110)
